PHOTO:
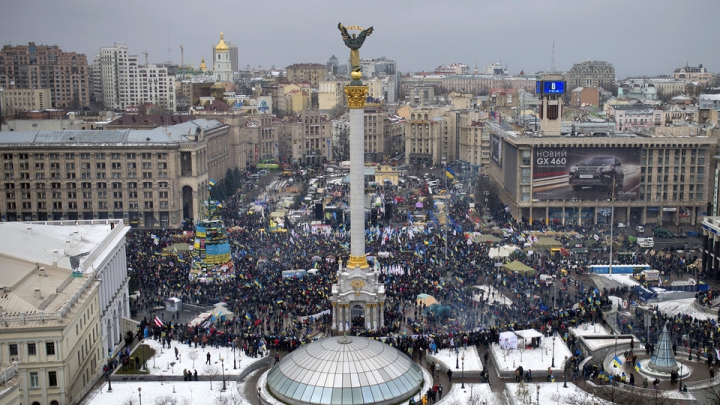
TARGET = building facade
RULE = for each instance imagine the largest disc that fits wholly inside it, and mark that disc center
(430, 134)
(591, 73)
(65, 74)
(151, 178)
(14, 101)
(630, 117)
(664, 178)
(310, 73)
(59, 330)
(693, 74)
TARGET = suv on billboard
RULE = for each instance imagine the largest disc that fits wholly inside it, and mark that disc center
(599, 171)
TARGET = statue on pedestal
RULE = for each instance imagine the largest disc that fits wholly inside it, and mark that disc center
(354, 42)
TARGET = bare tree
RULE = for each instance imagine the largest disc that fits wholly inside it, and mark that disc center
(166, 400)
(233, 398)
(627, 395)
(212, 371)
(193, 354)
(129, 401)
(523, 394)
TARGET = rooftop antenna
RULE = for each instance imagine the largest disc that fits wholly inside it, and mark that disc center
(182, 56)
(552, 62)
(146, 57)
(169, 53)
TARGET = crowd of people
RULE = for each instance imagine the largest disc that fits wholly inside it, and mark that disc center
(285, 312)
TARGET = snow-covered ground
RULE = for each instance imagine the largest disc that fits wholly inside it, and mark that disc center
(472, 359)
(550, 393)
(160, 364)
(480, 393)
(538, 359)
(497, 298)
(589, 329)
(189, 393)
(623, 279)
(683, 306)
(594, 344)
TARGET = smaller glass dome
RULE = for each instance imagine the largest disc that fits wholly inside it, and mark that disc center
(345, 370)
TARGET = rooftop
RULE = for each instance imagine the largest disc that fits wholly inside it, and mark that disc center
(46, 266)
(176, 134)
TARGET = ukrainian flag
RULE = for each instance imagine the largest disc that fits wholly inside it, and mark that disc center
(638, 367)
(211, 182)
(247, 316)
(279, 301)
(617, 362)
(449, 173)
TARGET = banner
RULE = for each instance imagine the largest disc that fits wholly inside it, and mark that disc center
(586, 173)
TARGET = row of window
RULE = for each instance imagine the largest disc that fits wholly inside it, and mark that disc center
(85, 175)
(84, 166)
(41, 195)
(32, 349)
(84, 155)
(86, 186)
(87, 205)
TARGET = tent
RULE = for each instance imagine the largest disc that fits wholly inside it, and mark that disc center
(502, 251)
(478, 238)
(220, 312)
(547, 243)
(528, 333)
(519, 267)
(508, 340)
(426, 299)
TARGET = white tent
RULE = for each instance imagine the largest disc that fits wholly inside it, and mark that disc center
(528, 334)
(502, 251)
(508, 340)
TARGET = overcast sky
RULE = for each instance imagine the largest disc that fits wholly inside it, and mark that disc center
(638, 37)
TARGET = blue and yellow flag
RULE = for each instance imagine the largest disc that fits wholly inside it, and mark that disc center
(638, 367)
(617, 362)
(449, 173)
(211, 182)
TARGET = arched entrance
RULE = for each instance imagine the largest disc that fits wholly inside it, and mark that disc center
(187, 202)
(357, 314)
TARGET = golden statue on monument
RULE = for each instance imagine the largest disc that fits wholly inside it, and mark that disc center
(354, 42)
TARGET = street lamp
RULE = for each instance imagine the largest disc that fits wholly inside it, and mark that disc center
(457, 356)
(680, 387)
(234, 349)
(222, 365)
(259, 397)
(615, 352)
(565, 371)
(553, 353)
(462, 373)
(140, 394)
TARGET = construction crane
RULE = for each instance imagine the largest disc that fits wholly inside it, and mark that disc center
(146, 57)
(182, 56)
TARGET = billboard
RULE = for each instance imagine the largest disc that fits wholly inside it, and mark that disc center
(564, 173)
(496, 152)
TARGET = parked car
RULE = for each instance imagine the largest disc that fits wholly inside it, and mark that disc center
(662, 233)
(599, 171)
(693, 234)
(640, 229)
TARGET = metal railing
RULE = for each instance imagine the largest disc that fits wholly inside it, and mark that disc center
(8, 373)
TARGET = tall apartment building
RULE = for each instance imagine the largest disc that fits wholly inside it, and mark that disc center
(310, 73)
(63, 306)
(331, 96)
(119, 82)
(33, 66)
(149, 178)
(474, 138)
(591, 73)
(310, 137)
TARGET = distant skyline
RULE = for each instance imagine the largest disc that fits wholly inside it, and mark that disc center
(639, 37)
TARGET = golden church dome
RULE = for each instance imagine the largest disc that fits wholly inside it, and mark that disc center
(203, 66)
(222, 46)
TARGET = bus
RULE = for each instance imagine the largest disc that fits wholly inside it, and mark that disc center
(267, 164)
(619, 268)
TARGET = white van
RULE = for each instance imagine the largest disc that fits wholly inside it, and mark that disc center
(646, 242)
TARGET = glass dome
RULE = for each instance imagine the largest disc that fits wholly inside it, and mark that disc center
(345, 370)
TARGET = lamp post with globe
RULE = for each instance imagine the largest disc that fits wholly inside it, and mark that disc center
(553, 353)
(462, 374)
(222, 365)
(140, 394)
